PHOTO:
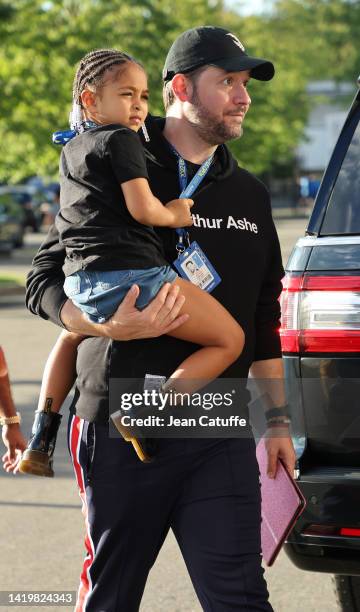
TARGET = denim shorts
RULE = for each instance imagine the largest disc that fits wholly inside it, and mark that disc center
(99, 293)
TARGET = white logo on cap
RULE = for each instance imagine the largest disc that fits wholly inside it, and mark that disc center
(236, 41)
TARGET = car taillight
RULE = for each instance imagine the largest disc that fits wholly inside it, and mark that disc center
(320, 314)
(331, 530)
(354, 533)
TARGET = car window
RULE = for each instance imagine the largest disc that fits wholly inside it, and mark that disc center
(5, 203)
(343, 211)
(9, 206)
(33, 200)
(18, 196)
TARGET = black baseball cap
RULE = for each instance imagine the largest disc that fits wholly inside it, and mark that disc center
(214, 46)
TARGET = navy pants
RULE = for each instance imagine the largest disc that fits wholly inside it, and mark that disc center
(206, 491)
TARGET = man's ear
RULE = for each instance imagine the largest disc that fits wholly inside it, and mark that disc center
(182, 87)
(88, 99)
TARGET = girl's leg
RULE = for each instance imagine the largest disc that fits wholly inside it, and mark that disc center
(58, 378)
(211, 326)
(60, 372)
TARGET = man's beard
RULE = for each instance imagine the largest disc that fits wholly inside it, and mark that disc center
(208, 126)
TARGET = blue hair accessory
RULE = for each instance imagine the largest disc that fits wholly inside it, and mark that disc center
(61, 137)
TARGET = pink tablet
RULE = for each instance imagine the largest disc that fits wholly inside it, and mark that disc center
(282, 504)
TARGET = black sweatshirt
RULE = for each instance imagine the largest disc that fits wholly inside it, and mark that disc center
(233, 225)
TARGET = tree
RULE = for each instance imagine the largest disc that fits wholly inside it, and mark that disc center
(41, 42)
(276, 119)
(326, 34)
(307, 40)
(44, 41)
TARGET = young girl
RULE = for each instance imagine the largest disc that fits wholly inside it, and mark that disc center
(106, 219)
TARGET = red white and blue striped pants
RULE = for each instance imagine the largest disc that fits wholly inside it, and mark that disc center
(206, 491)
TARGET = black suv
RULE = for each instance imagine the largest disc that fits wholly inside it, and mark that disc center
(321, 348)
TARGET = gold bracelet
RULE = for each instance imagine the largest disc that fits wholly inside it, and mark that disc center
(10, 420)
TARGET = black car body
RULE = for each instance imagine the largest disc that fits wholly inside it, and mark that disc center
(30, 200)
(321, 349)
(12, 222)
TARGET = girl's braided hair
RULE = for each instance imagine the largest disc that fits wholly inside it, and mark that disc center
(91, 71)
(93, 66)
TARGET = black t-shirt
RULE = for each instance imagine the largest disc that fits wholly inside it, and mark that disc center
(94, 223)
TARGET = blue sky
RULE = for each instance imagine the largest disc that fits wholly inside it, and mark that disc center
(248, 7)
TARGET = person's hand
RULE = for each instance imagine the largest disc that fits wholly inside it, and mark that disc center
(279, 446)
(160, 317)
(15, 444)
(181, 211)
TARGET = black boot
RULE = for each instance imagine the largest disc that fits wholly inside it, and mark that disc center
(37, 459)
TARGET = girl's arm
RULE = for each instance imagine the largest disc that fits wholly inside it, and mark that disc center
(148, 210)
(12, 435)
(7, 407)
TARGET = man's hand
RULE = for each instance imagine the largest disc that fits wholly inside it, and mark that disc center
(279, 446)
(160, 317)
(15, 444)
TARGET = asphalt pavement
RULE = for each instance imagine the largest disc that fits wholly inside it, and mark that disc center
(41, 525)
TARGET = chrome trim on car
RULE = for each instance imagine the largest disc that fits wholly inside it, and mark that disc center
(313, 241)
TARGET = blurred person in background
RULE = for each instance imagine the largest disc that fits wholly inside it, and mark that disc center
(25, 200)
(51, 207)
(10, 420)
(55, 205)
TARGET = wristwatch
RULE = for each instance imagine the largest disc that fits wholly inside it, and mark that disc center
(281, 421)
(279, 415)
(10, 420)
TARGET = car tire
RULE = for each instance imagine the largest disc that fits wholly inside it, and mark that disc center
(347, 590)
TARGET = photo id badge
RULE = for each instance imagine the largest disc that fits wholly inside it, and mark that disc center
(193, 265)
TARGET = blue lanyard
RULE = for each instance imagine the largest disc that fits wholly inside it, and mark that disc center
(187, 190)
